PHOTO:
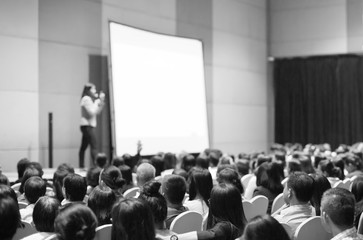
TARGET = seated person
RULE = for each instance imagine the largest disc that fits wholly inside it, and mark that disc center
(144, 173)
(173, 188)
(44, 213)
(74, 189)
(9, 217)
(75, 222)
(21, 167)
(101, 200)
(34, 188)
(297, 194)
(152, 196)
(112, 177)
(337, 211)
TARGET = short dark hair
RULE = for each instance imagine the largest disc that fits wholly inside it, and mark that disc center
(31, 171)
(9, 217)
(302, 185)
(75, 187)
(357, 188)
(188, 161)
(76, 222)
(152, 196)
(229, 175)
(34, 188)
(44, 213)
(7, 191)
(4, 179)
(158, 163)
(339, 204)
(213, 158)
(126, 173)
(58, 177)
(93, 176)
(112, 177)
(174, 188)
(268, 175)
(21, 166)
(101, 200)
(265, 227)
(101, 160)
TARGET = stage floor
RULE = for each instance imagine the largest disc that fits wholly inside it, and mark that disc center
(48, 173)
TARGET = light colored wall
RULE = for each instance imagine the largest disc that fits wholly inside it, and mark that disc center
(239, 92)
(19, 82)
(307, 27)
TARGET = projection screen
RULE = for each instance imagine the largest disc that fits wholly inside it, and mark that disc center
(158, 92)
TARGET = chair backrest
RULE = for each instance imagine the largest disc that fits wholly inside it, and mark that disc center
(245, 179)
(16, 186)
(24, 231)
(255, 207)
(277, 203)
(187, 222)
(284, 181)
(132, 192)
(360, 225)
(103, 232)
(312, 229)
(52, 237)
(346, 184)
(22, 205)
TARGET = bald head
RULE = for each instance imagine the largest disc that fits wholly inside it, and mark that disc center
(144, 173)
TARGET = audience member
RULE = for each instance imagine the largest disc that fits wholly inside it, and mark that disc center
(181, 172)
(29, 172)
(21, 167)
(213, 164)
(62, 171)
(132, 220)
(152, 196)
(173, 188)
(75, 189)
(332, 173)
(357, 190)
(126, 173)
(264, 228)
(34, 188)
(145, 172)
(9, 217)
(200, 186)
(7, 191)
(337, 211)
(297, 194)
(44, 214)
(158, 163)
(188, 162)
(268, 182)
(229, 175)
(75, 222)
(101, 201)
(321, 184)
(112, 178)
(92, 178)
(243, 167)
(353, 165)
(4, 179)
(101, 160)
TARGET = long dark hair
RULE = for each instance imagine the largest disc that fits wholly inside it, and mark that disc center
(321, 184)
(132, 220)
(200, 181)
(101, 200)
(226, 205)
(265, 227)
(268, 176)
(87, 91)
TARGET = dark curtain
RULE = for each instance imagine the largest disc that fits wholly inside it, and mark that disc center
(319, 100)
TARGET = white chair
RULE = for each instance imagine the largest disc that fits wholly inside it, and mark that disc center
(52, 237)
(187, 222)
(132, 192)
(311, 229)
(24, 231)
(360, 225)
(338, 184)
(347, 183)
(257, 206)
(245, 179)
(277, 203)
(103, 232)
(16, 186)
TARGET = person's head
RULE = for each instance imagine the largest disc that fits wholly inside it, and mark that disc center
(200, 184)
(37, 166)
(158, 163)
(180, 172)
(264, 228)
(306, 164)
(101, 200)
(328, 169)
(229, 175)
(144, 173)
(128, 160)
(75, 187)
(4, 179)
(357, 188)
(321, 184)
(174, 188)
(75, 222)
(293, 165)
(101, 160)
(352, 162)
(7, 191)
(93, 176)
(213, 158)
(169, 160)
(44, 213)
(226, 205)
(152, 196)
(202, 162)
(299, 188)
(132, 220)
(29, 172)
(243, 166)
(337, 209)
(90, 90)
(58, 176)
(21, 166)
(118, 161)
(188, 161)
(34, 188)
(9, 217)
(126, 173)
(268, 176)
(112, 177)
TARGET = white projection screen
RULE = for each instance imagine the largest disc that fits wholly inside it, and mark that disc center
(157, 92)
